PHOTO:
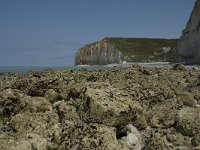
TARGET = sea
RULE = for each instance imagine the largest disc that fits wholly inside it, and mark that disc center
(26, 69)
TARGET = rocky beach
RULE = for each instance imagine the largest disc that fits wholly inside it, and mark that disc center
(127, 108)
(122, 94)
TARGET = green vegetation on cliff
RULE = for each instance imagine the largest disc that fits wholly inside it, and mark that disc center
(146, 49)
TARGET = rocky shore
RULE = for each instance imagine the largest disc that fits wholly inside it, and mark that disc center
(121, 109)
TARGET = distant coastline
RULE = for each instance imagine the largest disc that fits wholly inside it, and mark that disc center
(26, 69)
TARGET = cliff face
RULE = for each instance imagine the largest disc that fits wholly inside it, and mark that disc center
(114, 50)
(189, 44)
(99, 53)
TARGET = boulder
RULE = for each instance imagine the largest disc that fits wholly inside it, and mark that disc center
(52, 96)
(35, 104)
(188, 120)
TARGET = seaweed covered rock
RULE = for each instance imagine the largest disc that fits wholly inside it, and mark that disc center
(121, 108)
(52, 96)
(188, 121)
(157, 141)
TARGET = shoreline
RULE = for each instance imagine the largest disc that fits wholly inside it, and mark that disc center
(9, 70)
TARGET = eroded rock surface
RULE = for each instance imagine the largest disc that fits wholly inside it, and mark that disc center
(127, 108)
(99, 53)
(189, 44)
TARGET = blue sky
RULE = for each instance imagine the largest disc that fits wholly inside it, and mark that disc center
(49, 32)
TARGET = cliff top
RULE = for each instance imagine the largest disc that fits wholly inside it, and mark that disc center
(142, 48)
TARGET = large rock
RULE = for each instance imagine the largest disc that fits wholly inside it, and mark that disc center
(100, 53)
(188, 121)
(189, 44)
(109, 106)
(45, 124)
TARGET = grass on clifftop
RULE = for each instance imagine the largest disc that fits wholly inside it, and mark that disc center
(146, 49)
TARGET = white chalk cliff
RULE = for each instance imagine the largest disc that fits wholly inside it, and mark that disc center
(99, 53)
(189, 44)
